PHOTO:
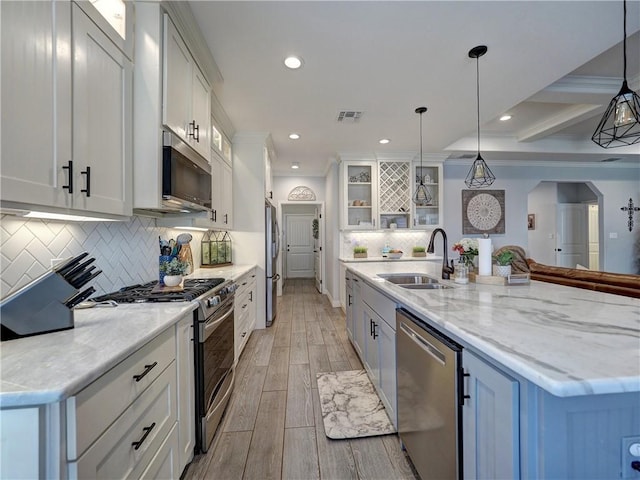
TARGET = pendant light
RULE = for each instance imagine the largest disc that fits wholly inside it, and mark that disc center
(479, 175)
(620, 124)
(422, 196)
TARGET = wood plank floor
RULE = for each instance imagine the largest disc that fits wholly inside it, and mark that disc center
(273, 428)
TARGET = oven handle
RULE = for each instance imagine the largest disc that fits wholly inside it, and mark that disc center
(209, 327)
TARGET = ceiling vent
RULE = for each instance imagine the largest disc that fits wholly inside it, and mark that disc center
(610, 159)
(349, 116)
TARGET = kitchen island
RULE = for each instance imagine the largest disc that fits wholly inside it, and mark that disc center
(570, 359)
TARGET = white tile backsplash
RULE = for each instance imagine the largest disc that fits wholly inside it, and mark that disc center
(404, 240)
(126, 252)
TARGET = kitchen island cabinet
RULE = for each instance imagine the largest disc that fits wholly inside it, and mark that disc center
(557, 367)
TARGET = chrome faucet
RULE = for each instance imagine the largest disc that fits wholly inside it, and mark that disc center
(446, 269)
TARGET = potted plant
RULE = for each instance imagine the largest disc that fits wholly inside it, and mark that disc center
(171, 272)
(359, 252)
(418, 251)
(503, 263)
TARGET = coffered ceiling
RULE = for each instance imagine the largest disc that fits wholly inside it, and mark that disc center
(554, 66)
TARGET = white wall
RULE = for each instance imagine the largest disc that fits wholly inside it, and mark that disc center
(332, 227)
(282, 186)
(616, 183)
(542, 203)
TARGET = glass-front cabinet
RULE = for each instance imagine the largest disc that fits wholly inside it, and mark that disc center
(430, 215)
(360, 196)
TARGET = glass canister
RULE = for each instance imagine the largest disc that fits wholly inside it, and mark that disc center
(461, 273)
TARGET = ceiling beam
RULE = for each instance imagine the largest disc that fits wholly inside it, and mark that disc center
(557, 122)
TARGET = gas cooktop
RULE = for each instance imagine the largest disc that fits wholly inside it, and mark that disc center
(142, 293)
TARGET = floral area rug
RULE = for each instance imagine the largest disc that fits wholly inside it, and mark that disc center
(350, 406)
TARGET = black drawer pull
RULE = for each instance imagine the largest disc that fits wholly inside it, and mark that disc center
(147, 369)
(87, 190)
(147, 431)
(251, 296)
(69, 186)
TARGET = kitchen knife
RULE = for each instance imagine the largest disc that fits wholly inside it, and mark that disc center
(70, 264)
(74, 271)
(73, 278)
(86, 278)
(80, 297)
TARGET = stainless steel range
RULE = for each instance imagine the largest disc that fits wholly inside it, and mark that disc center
(213, 336)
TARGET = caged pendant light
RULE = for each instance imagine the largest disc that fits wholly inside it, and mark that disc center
(422, 196)
(479, 175)
(620, 124)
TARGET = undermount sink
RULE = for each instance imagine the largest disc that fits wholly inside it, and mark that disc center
(416, 281)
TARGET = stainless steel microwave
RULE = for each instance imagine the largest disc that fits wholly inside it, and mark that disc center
(186, 177)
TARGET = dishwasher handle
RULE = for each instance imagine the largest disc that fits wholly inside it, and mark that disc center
(423, 343)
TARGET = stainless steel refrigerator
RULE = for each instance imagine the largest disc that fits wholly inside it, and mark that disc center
(272, 250)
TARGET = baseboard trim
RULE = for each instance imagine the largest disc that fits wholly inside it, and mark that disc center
(334, 303)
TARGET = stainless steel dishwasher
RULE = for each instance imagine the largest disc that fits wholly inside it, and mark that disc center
(429, 406)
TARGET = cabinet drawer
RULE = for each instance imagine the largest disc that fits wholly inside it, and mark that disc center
(91, 411)
(381, 304)
(165, 463)
(144, 424)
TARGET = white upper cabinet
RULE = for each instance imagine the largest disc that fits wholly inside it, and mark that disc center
(186, 96)
(428, 216)
(359, 195)
(66, 89)
(102, 119)
(395, 194)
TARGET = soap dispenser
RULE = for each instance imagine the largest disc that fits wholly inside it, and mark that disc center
(385, 250)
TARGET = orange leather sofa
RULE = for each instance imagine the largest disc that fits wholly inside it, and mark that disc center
(617, 283)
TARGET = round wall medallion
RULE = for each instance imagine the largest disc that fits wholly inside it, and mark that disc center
(484, 211)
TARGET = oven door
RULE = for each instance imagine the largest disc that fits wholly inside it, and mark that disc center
(215, 371)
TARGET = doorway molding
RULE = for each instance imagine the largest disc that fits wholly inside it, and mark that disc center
(322, 237)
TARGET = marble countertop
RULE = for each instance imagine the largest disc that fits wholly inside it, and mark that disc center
(54, 366)
(568, 341)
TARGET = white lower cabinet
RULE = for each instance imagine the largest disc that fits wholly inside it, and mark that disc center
(490, 421)
(378, 314)
(244, 311)
(165, 464)
(357, 315)
(185, 431)
(126, 448)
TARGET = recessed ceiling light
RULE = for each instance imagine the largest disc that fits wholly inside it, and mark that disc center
(295, 165)
(504, 118)
(293, 62)
(294, 136)
(384, 141)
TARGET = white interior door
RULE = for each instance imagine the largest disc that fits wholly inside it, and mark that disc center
(317, 253)
(572, 235)
(300, 243)
(594, 238)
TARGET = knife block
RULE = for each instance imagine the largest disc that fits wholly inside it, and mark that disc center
(38, 307)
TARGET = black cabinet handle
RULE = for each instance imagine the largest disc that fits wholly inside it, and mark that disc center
(147, 431)
(214, 216)
(87, 190)
(147, 369)
(197, 132)
(226, 218)
(349, 301)
(374, 334)
(69, 186)
(461, 387)
(251, 296)
(192, 129)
